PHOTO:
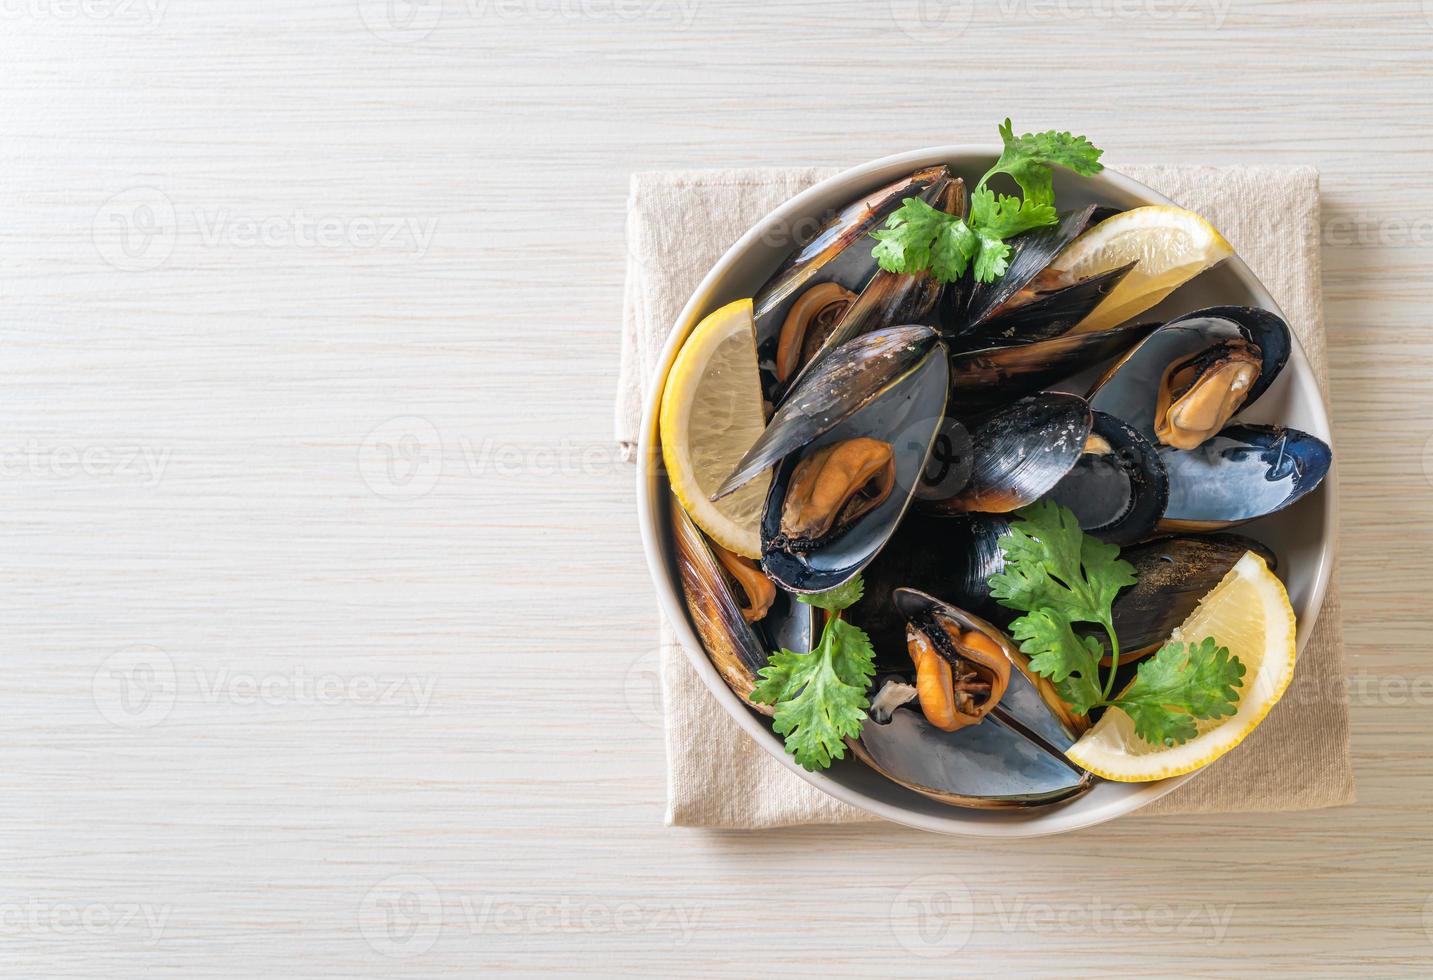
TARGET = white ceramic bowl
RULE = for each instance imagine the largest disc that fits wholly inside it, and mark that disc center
(1302, 536)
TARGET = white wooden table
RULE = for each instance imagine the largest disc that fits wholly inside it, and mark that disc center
(327, 641)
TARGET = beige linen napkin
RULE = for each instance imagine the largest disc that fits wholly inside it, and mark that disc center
(679, 224)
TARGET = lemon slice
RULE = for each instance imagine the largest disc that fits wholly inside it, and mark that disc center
(1171, 245)
(1248, 612)
(712, 412)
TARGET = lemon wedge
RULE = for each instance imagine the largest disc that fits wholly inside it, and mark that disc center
(1248, 612)
(1170, 245)
(712, 412)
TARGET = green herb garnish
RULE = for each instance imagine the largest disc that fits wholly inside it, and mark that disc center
(1059, 576)
(1179, 684)
(820, 696)
(918, 237)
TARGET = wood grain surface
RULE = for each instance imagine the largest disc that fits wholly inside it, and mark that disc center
(327, 639)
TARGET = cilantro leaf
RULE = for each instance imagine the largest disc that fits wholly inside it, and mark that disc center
(918, 237)
(952, 250)
(820, 696)
(993, 259)
(1179, 684)
(1071, 661)
(843, 596)
(1050, 562)
(852, 655)
(1004, 216)
(1030, 159)
(998, 217)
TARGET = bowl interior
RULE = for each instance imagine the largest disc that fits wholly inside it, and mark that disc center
(1301, 536)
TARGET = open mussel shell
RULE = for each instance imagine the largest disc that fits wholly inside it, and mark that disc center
(853, 376)
(839, 252)
(994, 375)
(888, 299)
(1118, 489)
(1174, 573)
(736, 648)
(1029, 303)
(1021, 452)
(1013, 757)
(1130, 389)
(906, 417)
(1242, 473)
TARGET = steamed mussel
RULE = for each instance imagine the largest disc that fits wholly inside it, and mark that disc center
(1200, 393)
(975, 728)
(1181, 387)
(849, 444)
(1187, 379)
(833, 488)
(808, 325)
(961, 673)
(909, 419)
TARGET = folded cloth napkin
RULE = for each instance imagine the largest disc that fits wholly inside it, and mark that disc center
(679, 224)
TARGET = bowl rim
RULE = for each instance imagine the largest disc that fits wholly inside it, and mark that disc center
(956, 822)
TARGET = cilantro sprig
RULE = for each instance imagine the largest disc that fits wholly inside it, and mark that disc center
(820, 696)
(918, 237)
(1181, 683)
(1059, 576)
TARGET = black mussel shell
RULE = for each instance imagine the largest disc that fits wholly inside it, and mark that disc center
(888, 299)
(1174, 574)
(1021, 452)
(891, 298)
(1030, 254)
(1118, 495)
(1103, 212)
(994, 375)
(1050, 314)
(1129, 390)
(1242, 473)
(907, 416)
(738, 650)
(850, 378)
(734, 647)
(988, 766)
